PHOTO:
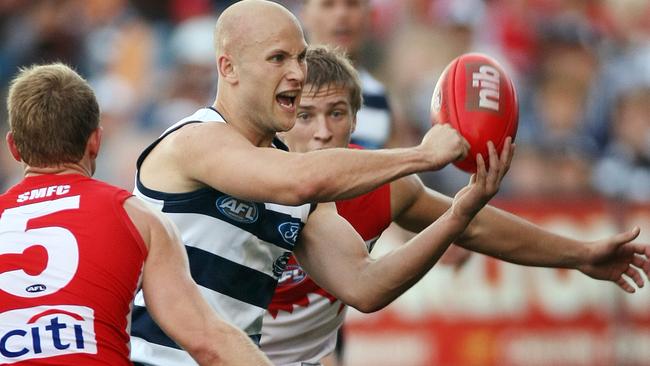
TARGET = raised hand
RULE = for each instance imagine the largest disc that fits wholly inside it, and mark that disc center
(445, 145)
(485, 183)
(615, 258)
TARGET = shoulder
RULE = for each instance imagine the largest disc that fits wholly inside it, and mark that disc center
(215, 134)
(147, 221)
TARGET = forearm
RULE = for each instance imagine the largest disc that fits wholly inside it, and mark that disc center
(336, 174)
(209, 339)
(186, 317)
(505, 236)
(382, 280)
(224, 344)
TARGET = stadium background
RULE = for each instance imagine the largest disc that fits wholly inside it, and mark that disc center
(582, 70)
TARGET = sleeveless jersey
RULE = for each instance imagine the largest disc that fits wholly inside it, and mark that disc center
(237, 250)
(374, 121)
(70, 264)
(302, 320)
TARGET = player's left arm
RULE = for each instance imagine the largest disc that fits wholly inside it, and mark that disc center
(335, 256)
(415, 206)
(505, 236)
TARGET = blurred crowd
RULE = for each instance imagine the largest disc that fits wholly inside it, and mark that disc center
(581, 69)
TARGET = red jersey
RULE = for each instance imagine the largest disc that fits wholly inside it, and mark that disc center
(70, 263)
(302, 319)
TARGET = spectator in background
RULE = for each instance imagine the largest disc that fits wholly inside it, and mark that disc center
(553, 132)
(344, 24)
(190, 78)
(624, 170)
(417, 53)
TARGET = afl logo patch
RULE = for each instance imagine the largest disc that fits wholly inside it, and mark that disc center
(36, 288)
(289, 232)
(292, 274)
(238, 210)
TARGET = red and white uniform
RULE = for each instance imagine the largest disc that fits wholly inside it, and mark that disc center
(70, 263)
(301, 322)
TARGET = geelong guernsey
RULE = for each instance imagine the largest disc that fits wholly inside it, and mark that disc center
(70, 263)
(374, 121)
(237, 250)
(302, 321)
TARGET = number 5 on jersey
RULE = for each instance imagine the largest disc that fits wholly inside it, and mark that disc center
(29, 258)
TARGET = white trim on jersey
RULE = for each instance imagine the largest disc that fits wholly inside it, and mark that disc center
(374, 119)
(192, 235)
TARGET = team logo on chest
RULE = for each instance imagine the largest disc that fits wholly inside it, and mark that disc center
(289, 232)
(280, 264)
(238, 210)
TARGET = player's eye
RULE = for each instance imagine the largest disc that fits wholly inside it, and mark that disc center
(337, 113)
(277, 58)
(304, 116)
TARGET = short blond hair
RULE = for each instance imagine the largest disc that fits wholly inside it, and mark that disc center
(327, 67)
(52, 112)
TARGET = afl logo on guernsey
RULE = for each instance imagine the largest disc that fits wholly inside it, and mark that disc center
(238, 210)
(36, 288)
(292, 274)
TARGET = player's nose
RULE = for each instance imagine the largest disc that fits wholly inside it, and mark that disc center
(296, 71)
(323, 132)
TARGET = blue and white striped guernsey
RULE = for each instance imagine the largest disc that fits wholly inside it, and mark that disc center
(374, 120)
(237, 250)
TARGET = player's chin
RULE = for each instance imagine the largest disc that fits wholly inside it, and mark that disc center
(285, 122)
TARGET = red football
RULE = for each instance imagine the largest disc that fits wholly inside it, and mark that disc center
(476, 97)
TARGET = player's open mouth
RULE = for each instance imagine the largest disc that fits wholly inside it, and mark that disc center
(287, 100)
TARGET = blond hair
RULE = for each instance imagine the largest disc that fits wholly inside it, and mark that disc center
(327, 67)
(52, 112)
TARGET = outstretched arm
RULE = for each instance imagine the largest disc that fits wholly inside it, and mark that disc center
(505, 236)
(216, 155)
(335, 257)
(174, 300)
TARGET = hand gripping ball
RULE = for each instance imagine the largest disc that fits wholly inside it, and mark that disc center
(476, 97)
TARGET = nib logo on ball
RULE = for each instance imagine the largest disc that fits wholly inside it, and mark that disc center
(476, 97)
(486, 81)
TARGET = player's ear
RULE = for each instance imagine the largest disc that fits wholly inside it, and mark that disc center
(353, 125)
(94, 143)
(227, 69)
(11, 145)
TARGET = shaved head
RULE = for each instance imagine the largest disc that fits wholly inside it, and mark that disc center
(248, 23)
(260, 51)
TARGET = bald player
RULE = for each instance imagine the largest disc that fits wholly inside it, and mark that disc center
(242, 203)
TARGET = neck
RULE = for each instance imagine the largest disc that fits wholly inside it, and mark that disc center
(243, 124)
(67, 168)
